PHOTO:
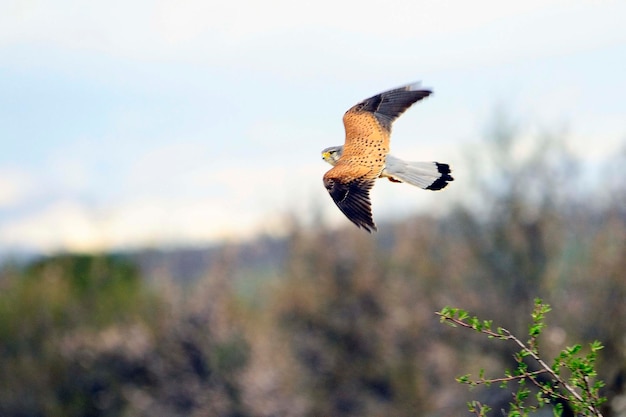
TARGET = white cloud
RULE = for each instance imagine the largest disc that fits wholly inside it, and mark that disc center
(15, 186)
(68, 225)
(62, 225)
(252, 200)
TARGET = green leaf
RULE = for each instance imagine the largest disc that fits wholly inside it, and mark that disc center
(572, 350)
(596, 346)
(463, 379)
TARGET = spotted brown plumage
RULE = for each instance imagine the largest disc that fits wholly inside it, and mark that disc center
(368, 128)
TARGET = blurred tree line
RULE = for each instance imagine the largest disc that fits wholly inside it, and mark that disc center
(347, 328)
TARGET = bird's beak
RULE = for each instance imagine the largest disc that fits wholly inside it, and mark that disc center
(325, 155)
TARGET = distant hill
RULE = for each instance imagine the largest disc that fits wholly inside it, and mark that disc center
(262, 256)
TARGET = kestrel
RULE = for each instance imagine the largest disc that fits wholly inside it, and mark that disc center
(426, 175)
(365, 157)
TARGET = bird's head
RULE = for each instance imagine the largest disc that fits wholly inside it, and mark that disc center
(332, 154)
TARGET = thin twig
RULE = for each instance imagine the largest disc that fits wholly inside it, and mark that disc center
(507, 379)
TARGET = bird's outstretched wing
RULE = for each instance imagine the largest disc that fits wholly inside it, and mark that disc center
(353, 199)
(387, 106)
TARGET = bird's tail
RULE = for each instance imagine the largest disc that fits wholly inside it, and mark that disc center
(427, 175)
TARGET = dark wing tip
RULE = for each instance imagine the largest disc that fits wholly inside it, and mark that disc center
(389, 105)
(353, 200)
(442, 181)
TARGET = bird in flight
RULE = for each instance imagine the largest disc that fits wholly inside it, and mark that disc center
(426, 175)
(364, 157)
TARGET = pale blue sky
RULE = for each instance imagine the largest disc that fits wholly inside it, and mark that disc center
(124, 124)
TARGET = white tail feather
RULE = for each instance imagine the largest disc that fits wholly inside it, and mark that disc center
(419, 174)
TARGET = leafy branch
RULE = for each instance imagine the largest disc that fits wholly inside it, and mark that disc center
(578, 389)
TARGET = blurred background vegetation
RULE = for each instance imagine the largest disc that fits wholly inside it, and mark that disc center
(330, 322)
